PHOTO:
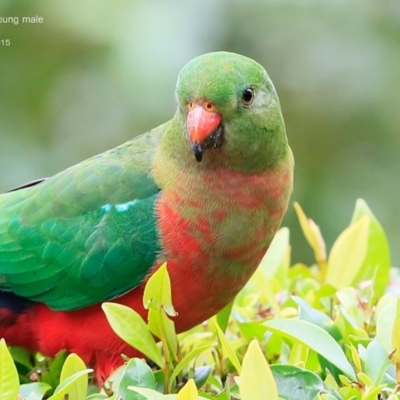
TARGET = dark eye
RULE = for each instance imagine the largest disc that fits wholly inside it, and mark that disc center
(248, 96)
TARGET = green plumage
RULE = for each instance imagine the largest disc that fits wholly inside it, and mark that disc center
(87, 234)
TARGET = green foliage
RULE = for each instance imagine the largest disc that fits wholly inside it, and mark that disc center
(326, 331)
(8, 373)
(137, 373)
(129, 326)
(73, 380)
(256, 379)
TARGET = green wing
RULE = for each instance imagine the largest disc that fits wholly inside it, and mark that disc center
(85, 235)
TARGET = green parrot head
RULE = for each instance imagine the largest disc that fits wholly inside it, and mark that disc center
(230, 114)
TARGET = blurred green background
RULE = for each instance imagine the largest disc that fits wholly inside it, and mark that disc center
(97, 72)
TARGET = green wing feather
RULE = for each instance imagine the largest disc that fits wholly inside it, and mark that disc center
(85, 235)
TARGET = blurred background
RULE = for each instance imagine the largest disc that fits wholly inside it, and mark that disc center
(97, 72)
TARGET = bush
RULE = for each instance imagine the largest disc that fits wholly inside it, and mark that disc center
(326, 331)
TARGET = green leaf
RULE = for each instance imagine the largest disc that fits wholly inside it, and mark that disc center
(21, 356)
(296, 383)
(315, 338)
(355, 357)
(372, 393)
(383, 302)
(350, 309)
(264, 286)
(164, 328)
(364, 379)
(157, 292)
(327, 396)
(252, 330)
(223, 316)
(348, 254)
(9, 382)
(330, 382)
(188, 392)
(226, 346)
(153, 395)
(384, 325)
(149, 393)
(131, 328)
(112, 382)
(185, 362)
(160, 380)
(67, 387)
(328, 367)
(201, 375)
(396, 329)
(376, 361)
(256, 379)
(52, 377)
(72, 365)
(136, 373)
(273, 258)
(313, 235)
(316, 317)
(34, 391)
(395, 339)
(157, 298)
(376, 265)
(98, 396)
(298, 354)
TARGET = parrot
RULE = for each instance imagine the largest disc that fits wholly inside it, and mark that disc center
(204, 193)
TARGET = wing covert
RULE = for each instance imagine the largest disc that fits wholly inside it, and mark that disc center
(87, 234)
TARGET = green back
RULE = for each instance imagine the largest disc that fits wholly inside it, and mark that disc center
(87, 234)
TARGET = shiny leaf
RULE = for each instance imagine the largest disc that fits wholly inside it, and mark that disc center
(316, 317)
(296, 383)
(188, 392)
(312, 233)
(149, 393)
(275, 254)
(223, 316)
(226, 346)
(164, 328)
(315, 338)
(376, 265)
(131, 328)
(376, 361)
(72, 365)
(256, 379)
(136, 373)
(186, 360)
(67, 388)
(34, 391)
(157, 292)
(385, 323)
(348, 254)
(9, 382)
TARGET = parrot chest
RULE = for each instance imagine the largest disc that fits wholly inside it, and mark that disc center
(215, 233)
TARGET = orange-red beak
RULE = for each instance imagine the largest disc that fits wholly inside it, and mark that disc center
(202, 124)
